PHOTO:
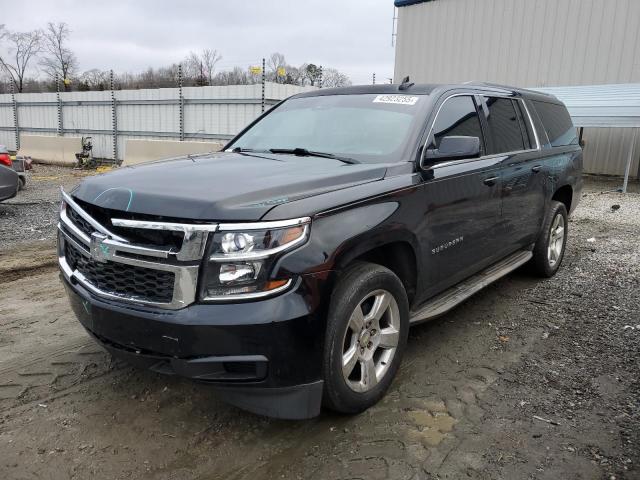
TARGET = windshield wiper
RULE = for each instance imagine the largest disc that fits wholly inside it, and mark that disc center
(303, 152)
(247, 150)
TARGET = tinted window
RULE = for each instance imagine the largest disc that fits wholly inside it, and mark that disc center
(457, 117)
(504, 126)
(557, 123)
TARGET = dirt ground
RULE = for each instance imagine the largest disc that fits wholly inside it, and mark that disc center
(529, 379)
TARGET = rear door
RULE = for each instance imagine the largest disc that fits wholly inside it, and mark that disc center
(460, 200)
(512, 140)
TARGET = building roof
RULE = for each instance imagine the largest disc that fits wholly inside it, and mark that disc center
(405, 3)
(616, 105)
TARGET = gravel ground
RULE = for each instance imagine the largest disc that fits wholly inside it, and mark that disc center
(529, 379)
(32, 214)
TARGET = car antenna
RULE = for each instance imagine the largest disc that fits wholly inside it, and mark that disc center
(405, 83)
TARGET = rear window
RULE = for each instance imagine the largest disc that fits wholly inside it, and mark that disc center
(557, 123)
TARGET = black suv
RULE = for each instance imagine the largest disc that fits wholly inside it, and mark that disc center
(287, 269)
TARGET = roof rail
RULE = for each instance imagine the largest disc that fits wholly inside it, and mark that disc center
(495, 86)
(514, 90)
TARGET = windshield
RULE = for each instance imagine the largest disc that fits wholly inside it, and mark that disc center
(367, 128)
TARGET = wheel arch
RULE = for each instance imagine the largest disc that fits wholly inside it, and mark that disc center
(395, 251)
(564, 194)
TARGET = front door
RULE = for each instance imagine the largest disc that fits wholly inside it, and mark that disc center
(461, 201)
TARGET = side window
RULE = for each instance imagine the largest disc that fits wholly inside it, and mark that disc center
(504, 126)
(557, 123)
(458, 116)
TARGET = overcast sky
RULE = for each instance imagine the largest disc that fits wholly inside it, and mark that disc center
(351, 35)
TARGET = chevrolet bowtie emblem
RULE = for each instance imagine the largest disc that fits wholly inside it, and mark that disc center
(99, 251)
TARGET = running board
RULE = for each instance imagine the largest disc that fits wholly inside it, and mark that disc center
(457, 294)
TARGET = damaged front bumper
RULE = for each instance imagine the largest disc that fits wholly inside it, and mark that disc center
(264, 356)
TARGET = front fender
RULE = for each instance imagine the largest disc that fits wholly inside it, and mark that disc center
(338, 238)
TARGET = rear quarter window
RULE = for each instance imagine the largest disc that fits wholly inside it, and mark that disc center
(557, 123)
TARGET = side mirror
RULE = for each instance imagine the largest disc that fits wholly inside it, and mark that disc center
(454, 148)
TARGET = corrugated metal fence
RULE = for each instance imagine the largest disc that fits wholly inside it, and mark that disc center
(195, 113)
(609, 114)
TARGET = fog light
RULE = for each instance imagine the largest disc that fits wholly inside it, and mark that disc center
(232, 273)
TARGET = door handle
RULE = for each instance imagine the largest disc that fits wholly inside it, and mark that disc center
(536, 169)
(490, 181)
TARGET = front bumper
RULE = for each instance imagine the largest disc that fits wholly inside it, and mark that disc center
(264, 356)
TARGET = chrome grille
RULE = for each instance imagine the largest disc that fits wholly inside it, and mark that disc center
(80, 222)
(117, 266)
(156, 238)
(120, 279)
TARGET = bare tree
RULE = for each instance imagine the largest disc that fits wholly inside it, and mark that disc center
(201, 67)
(294, 75)
(209, 59)
(331, 77)
(275, 62)
(95, 79)
(22, 48)
(312, 73)
(59, 60)
(194, 69)
(237, 76)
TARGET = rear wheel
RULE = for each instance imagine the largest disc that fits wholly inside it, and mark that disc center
(367, 332)
(549, 249)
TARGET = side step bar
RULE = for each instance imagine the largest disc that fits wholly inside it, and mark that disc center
(457, 294)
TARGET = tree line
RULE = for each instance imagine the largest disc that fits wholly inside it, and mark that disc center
(41, 60)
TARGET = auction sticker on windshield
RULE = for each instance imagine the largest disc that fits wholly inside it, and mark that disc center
(397, 99)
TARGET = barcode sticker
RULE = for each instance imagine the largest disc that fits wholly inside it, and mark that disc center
(397, 99)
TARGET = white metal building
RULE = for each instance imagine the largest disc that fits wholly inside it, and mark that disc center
(527, 43)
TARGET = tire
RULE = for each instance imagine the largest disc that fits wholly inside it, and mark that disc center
(21, 183)
(364, 286)
(548, 251)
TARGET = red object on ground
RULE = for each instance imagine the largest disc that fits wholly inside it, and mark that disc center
(5, 159)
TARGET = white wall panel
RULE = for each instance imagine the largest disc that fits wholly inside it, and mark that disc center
(527, 43)
(520, 42)
(156, 115)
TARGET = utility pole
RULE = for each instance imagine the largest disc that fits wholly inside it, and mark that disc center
(59, 101)
(114, 118)
(264, 80)
(393, 27)
(16, 125)
(181, 102)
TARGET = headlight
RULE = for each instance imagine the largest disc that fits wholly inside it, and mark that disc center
(241, 257)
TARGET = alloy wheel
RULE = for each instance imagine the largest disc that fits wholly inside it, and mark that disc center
(556, 240)
(371, 341)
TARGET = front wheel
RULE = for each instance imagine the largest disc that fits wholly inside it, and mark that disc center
(549, 249)
(367, 331)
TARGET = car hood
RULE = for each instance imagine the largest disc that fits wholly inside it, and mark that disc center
(221, 186)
